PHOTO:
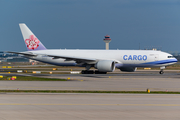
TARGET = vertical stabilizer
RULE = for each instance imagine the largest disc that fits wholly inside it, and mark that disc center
(31, 41)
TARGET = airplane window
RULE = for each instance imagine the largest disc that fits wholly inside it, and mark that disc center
(170, 57)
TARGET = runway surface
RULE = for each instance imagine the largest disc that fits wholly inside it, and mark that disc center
(76, 106)
(137, 81)
(89, 106)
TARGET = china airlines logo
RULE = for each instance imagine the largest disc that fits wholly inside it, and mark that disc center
(32, 42)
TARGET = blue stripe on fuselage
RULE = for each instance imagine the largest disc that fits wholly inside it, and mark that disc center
(147, 64)
(161, 62)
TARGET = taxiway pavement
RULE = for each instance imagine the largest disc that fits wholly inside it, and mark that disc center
(137, 81)
(68, 106)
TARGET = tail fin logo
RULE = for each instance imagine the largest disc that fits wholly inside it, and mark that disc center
(32, 42)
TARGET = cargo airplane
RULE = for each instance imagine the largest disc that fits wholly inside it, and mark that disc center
(102, 60)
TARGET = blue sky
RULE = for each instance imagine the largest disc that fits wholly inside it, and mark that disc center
(82, 24)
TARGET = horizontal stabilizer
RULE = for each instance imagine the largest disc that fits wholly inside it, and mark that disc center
(21, 53)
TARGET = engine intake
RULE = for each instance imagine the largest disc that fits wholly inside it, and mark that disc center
(105, 66)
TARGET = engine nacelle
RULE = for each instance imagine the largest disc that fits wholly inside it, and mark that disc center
(105, 66)
(128, 69)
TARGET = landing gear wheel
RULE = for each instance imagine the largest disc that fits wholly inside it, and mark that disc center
(87, 72)
(92, 72)
(161, 72)
(97, 72)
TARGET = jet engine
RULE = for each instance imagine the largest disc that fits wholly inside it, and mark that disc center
(105, 66)
(128, 69)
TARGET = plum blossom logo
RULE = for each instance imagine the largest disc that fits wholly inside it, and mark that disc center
(32, 42)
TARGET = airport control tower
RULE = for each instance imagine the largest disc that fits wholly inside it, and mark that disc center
(107, 40)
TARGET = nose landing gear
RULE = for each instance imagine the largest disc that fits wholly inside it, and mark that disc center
(161, 71)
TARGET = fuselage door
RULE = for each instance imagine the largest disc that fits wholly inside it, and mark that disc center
(156, 57)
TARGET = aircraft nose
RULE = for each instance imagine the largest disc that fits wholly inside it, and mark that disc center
(176, 60)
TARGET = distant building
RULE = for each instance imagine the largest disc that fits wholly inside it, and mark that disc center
(10, 57)
(17, 59)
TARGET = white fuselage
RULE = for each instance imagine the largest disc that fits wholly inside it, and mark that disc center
(123, 58)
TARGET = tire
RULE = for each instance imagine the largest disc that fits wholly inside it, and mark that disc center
(161, 72)
(87, 72)
(97, 72)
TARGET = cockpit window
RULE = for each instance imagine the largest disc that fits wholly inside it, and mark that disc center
(170, 56)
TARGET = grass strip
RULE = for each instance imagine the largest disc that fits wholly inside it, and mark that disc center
(74, 91)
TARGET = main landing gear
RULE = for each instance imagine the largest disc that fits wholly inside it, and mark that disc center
(92, 72)
(87, 71)
(161, 71)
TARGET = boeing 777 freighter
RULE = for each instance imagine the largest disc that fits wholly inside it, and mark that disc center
(103, 60)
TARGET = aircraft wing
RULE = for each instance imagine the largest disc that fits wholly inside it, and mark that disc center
(67, 58)
(21, 53)
(77, 59)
